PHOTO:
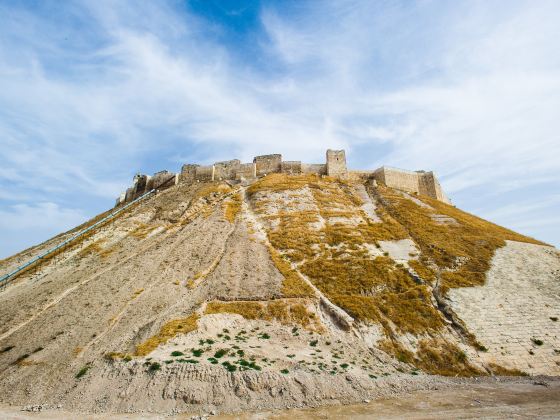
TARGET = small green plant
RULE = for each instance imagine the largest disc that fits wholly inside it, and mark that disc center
(229, 366)
(197, 352)
(372, 376)
(313, 343)
(284, 371)
(240, 352)
(176, 353)
(127, 358)
(82, 371)
(537, 341)
(154, 366)
(220, 353)
(344, 365)
(213, 360)
(264, 336)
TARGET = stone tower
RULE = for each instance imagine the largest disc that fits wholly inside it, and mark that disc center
(336, 162)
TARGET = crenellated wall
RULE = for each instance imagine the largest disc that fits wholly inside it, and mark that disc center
(419, 182)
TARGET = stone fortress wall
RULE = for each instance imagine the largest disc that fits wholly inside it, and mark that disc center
(418, 182)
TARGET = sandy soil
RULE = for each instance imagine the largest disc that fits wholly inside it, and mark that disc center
(489, 401)
(506, 398)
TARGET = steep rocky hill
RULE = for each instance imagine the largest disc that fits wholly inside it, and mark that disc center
(291, 290)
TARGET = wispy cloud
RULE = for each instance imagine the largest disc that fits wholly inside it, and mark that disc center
(94, 91)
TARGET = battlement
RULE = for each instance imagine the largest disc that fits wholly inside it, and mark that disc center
(419, 182)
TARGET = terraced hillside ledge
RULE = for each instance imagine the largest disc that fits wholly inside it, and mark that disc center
(282, 291)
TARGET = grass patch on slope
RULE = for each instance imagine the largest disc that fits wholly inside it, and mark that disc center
(335, 256)
(293, 285)
(462, 251)
(285, 311)
(166, 333)
(434, 356)
(97, 249)
(232, 207)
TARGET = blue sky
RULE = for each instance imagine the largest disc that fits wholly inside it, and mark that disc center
(92, 92)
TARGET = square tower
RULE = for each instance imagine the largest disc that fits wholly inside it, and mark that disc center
(336, 163)
(267, 164)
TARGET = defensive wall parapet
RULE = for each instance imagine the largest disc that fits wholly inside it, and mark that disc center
(419, 182)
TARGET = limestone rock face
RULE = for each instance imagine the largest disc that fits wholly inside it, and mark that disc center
(286, 290)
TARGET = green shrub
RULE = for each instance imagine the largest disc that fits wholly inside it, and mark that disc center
(220, 353)
(154, 366)
(229, 366)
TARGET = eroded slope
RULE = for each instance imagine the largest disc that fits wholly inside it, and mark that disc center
(293, 290)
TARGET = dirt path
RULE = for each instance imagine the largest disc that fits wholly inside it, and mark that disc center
(498, 400)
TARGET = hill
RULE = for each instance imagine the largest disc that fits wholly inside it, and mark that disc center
(289, 290)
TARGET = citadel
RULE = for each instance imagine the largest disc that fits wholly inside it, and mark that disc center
(418, 182)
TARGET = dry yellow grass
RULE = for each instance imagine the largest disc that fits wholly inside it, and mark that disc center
(293, 285)
(97, 249)
(462, 251)
(137, 293)
(502, 371)
(285, 311)
(232, 207)
(166, 333)
(142, 230)
(434, 356)
(283, 182)
(439, 357)
(336, 260)
(208, 189)
(425, 272)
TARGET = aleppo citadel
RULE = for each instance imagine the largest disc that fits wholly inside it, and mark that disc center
(419, 182)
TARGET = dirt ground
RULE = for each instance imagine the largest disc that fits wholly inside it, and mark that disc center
(489, 401)
(528, 398)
